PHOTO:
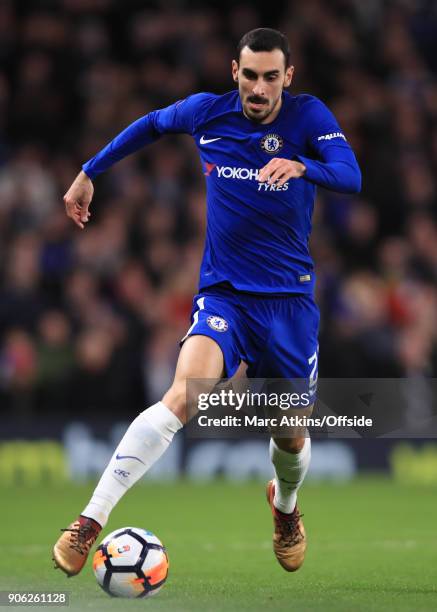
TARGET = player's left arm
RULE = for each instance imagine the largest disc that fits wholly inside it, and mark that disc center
(335, 168)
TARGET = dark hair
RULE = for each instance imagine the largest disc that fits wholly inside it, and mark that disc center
(265, 39)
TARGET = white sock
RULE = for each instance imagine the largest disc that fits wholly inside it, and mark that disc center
(290, 470)
(147, 437)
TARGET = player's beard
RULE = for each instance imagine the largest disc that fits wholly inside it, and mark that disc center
(263, 112)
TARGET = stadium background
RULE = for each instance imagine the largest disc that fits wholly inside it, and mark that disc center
(90, 321)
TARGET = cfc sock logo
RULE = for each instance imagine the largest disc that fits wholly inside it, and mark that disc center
(122, 473)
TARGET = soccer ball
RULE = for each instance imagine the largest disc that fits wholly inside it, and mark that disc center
(131, 562)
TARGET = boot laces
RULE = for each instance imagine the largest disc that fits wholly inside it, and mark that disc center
(289, 529)
(82, 538)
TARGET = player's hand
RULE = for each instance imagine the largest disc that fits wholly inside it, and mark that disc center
(78, 198)
(279, 170)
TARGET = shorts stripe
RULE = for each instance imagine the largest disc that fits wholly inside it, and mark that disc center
(201, 305)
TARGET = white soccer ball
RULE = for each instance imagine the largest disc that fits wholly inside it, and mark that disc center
(131, 562)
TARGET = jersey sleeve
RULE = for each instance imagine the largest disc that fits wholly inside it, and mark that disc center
(178, 118)
(335, 166)
(181, 117)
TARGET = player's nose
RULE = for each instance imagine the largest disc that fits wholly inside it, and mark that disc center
(258, 89)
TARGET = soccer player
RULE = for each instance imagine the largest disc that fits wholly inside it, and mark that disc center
(263, 151)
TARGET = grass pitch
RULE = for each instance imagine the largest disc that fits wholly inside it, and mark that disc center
(372, 545)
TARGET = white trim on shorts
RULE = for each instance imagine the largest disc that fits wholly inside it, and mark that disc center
(201, 305)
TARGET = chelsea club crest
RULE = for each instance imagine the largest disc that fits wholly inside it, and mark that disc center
(271, 143)
(217, 323)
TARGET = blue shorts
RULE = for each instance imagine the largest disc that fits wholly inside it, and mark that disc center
(276, 336)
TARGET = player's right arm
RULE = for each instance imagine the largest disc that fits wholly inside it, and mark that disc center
(78, 199)
(178, 118)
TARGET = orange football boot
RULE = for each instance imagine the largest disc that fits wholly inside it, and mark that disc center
(289, 539)
(73, 547)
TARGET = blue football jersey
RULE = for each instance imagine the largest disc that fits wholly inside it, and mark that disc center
(256, 234)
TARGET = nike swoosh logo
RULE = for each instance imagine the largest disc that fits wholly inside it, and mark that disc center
(118, 456)
(204, 140)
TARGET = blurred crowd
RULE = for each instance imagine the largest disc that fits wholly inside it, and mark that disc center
(90, 320)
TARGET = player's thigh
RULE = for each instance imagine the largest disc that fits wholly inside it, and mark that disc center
(200, 358)
(291, 356)
(291, 352)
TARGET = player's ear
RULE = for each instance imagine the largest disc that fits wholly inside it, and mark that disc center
(235, 70)
(288, 76)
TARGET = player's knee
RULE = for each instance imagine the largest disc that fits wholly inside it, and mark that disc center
(290, 445)
(176, 400)
(181, 399)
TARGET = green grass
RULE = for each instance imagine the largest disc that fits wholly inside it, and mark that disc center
(372, 546)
